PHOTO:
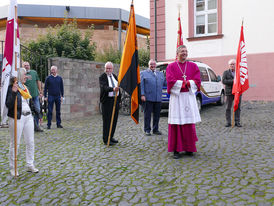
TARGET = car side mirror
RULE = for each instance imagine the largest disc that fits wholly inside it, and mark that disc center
(219, 78)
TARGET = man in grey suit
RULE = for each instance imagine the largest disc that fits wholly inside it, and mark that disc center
(152, 82)
(228, 78)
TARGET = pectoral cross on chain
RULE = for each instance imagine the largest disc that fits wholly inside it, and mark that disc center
(184, 76)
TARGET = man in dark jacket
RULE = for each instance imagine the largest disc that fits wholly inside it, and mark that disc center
(108, 89)
(53, 93)
(228, 78)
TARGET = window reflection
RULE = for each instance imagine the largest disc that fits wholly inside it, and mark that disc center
(212, 75)
(200, 5)
(203, 74)
(212, 4)
(206, 17)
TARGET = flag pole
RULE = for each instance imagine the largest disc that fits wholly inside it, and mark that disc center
(112, 117)
(15, 137)
(233, 117)
(15, 103)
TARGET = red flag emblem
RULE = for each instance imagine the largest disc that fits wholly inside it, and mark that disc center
(241, 83)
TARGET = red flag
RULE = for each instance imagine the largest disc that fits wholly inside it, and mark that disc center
(11, 59)
(179, 36)
(129, 74)
(241, 83)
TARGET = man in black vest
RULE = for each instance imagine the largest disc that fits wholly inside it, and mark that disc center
(108, 88)
(228, 78)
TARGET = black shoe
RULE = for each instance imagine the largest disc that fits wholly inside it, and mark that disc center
(114, 140)
(110, 143)
(39, 130)
(157, 133)
(189, 153)
(228, 125)
(59, 126)
(148, 134)
(48, 127)
(176, 155)
(238, 125)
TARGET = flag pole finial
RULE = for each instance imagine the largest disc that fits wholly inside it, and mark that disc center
(179, 8)
(242, 21)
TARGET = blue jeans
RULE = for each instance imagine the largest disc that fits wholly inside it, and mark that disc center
(155, 108)
(36, 104)
(51, 101)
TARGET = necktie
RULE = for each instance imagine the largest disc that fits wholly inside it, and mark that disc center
(112, 83)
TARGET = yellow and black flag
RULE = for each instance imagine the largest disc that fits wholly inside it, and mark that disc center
(129, 74)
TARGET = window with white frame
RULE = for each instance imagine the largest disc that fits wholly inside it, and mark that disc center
(205, 17)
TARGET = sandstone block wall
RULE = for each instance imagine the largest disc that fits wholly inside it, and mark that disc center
(81, 86)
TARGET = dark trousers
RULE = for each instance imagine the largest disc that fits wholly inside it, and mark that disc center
(51, 101)
(36, 103)
(155, 108)
(107, 108)
(229, 103)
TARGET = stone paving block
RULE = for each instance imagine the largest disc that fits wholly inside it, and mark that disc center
(231, 167)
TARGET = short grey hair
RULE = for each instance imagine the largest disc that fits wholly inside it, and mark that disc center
(231, 60)
(108, 64)
(152, 60)
(53, 67)
(24, 63)
(182, 46)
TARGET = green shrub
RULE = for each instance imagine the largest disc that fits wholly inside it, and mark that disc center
(115, 56)
(109, 54)
(144, 57)
(64, 40)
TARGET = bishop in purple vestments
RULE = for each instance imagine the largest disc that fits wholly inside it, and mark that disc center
(183, 80)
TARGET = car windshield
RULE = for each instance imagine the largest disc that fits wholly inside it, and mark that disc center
(162, 68)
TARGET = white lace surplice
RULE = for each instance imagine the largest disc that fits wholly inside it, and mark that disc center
(183, 107)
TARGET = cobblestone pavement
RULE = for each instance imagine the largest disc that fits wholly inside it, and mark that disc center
(232, 166)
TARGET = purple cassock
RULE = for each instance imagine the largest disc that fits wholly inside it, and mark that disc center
(181, 129)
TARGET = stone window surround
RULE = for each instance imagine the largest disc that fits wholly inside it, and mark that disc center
(191, 23)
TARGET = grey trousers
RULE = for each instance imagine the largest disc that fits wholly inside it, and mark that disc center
(229, 101)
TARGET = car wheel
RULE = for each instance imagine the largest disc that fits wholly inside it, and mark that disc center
(222, 100)
(199, 103)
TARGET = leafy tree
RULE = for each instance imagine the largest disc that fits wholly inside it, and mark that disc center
(109, 54)
(144, 57)
(113, 55)
(64, 40)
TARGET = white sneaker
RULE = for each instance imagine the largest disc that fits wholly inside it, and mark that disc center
(12, 172)
(32, 169)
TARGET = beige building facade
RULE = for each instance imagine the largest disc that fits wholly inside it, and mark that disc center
(211, 31)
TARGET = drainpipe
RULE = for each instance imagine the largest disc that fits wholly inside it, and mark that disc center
(155, 29)
(120, 30)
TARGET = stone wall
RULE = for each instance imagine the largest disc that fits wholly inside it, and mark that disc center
(81, 86)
